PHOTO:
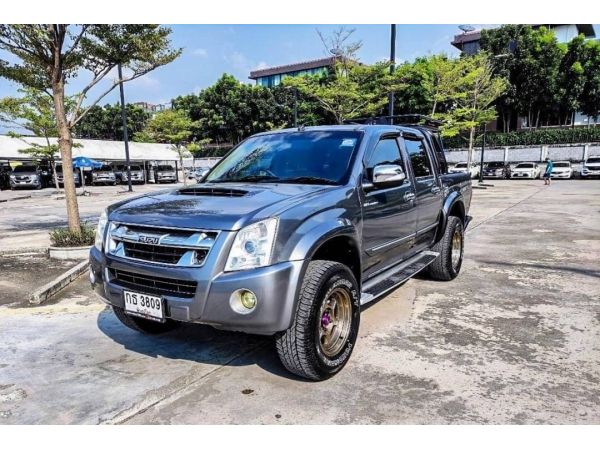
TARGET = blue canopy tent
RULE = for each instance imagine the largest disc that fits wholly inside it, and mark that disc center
(79, 162)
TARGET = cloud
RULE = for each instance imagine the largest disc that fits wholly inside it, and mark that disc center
(200, 52)
(260, 66)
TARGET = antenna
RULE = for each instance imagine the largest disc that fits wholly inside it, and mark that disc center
(466, 28)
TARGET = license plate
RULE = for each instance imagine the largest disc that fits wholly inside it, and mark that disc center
(144, 305)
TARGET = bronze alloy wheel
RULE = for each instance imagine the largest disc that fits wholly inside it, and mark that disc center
(335, 322)
(457, 248)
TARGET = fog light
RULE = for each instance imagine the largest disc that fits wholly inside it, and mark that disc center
(243, 301)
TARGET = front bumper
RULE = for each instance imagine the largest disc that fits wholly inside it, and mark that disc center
(590, 173)
(275, 288)
(522, 175)
(565, 175)
(25, 183)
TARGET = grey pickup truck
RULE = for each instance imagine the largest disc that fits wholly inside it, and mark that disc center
(289, 235)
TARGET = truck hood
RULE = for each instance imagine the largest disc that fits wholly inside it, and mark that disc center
(223, 206)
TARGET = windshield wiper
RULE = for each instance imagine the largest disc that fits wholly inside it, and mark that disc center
(257, 178)
(308, 180)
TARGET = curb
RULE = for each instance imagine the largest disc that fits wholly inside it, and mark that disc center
(23, 197)
(59, 283)
(24, 251)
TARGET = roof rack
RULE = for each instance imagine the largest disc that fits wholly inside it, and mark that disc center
(398, 119)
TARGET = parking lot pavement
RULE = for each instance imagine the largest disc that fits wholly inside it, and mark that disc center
(24, 223)
(514, 339)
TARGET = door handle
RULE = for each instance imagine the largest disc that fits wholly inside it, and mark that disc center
(435, 190)
(409, 196)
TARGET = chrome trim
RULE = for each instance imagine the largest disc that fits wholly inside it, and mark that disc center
(427, 228)
(395, 241)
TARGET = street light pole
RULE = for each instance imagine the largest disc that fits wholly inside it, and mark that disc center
(392, 68)
(125, 136)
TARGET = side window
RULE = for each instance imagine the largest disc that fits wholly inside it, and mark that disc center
(419, 157)
(386, 151)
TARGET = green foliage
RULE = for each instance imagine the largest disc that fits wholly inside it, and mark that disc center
(105, 122)
(545, 136)
(353, 90)
(64, 237)
(590, 96)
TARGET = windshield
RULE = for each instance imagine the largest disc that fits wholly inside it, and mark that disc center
(105, 169)
(561, 164)
(524, 166)
(593, 161)
(460, 165)
(319, 157)
(25, 169)
(165, 168)
(495, 164)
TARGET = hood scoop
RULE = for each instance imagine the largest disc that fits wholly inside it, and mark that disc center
(212, 192)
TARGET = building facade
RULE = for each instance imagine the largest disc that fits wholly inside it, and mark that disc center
(272, 76)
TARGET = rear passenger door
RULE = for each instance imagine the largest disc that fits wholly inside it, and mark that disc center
(428, 190)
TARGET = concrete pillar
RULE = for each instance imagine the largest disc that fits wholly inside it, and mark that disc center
(505, 155)
(543, 152)
(586, 150)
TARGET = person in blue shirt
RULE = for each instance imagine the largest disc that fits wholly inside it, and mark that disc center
(548, 172)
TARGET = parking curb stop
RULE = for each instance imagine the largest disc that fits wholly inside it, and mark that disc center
(50, 289)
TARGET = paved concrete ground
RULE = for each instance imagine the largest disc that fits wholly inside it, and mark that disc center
(24, 223)
(514, 339)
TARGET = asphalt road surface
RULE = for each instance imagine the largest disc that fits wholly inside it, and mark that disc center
(514, 339)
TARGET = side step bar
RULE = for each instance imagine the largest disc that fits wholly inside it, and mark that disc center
(392, 277)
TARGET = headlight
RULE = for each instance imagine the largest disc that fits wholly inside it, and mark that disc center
(102, 222)
(12, 177)
(252, 246)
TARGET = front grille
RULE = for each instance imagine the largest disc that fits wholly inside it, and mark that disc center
(153, 285)
(180, 247)
(160, 254)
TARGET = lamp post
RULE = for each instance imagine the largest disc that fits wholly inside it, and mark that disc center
(392, 68)
(125, 136)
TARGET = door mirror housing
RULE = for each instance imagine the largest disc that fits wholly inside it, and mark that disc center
(387, 175)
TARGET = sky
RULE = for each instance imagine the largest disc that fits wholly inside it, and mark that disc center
(211, 50)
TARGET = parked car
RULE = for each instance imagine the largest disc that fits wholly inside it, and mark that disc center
(137, 174)
(462, 167)
(5, 172)
(59, 177)
(104, 175)
(165, 174)
(591, 167)
(198, 173)
(29, 176)
(526, 170)
(291, 242)
(496, 169)
(562, 169)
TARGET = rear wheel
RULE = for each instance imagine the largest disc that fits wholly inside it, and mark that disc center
(450, 248)
(321, 339)
(144, 325)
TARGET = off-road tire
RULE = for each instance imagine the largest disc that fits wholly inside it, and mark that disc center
(299, 347)
(144, 325)
(442, 268)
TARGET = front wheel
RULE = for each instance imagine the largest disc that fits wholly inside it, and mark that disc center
(450, 248)
(144, 325)
(321, 339)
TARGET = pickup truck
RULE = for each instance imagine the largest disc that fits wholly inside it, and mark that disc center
(289, 235)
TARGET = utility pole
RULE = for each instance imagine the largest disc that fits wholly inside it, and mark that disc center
(392, 68)
(125, 136)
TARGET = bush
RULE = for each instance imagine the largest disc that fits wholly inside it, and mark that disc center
(544, 136)
(63, 237)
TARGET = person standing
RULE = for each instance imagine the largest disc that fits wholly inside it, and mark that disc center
(548, 172)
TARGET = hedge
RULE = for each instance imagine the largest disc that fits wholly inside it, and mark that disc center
(526, 137)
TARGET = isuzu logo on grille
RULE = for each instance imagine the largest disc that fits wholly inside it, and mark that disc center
(148, 239)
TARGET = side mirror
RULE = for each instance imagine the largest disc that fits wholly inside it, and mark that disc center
(388, 175)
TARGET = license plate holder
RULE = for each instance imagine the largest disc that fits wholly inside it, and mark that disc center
(145, 306)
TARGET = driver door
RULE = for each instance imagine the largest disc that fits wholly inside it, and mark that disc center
(389, 213)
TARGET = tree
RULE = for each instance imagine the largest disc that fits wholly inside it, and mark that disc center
(590, 95)
(170, 127)
(413, 93)
(48, 55)
(473, 100)
(571, 79)
(353, 90)
(104, 122)
(33, 112)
